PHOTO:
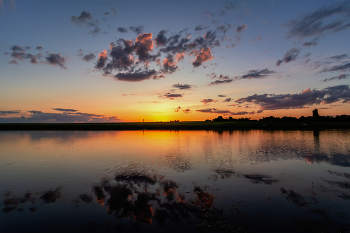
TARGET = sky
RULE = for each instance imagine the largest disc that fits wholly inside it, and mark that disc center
(129, 61)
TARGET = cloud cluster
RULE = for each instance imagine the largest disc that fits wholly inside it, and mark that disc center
(19, 53)
(297, 101)
(65, 115)
(240, 29)
(320, 21)
(56, 59)
(131, 59)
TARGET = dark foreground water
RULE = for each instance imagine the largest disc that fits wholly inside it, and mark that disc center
(175, 181)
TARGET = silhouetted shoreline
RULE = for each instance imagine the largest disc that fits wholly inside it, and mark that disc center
(188, 125)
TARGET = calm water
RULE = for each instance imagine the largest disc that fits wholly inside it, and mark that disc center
(175, 181)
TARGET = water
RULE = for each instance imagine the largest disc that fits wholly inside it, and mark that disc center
(189, 181)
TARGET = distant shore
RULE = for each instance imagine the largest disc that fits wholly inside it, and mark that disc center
(186, 125)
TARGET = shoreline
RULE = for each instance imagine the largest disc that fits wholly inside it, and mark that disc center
(189, 125)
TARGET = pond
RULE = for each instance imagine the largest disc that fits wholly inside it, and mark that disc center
(175, 181)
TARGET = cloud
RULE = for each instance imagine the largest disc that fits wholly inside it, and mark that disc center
(65, 109)
(16, 48)
(89, 57)
(336, 68)
(182, 86)
(114, 11)
(297, 101)
(171, 96)
(221, 95)
(82, 18)
(338, 57)
(137, 76)
(161, 39)
(14, 62)
(240, 29)
(200, 27)
(101, 60)
(291, 55)
(228, 100)
(202, 56)
(56, 59)
(122, 30)
(311, 43)
(95, 31)
(333, 18)
(257, 74)
(338, 77)
(206, 101)
(229, 6)
(187, 110)
(65, 116)
(224, 27)
(216, 82)
(3, 113)
(143, 46)
(213, 110)
(137, 29)
(177, 109)
(169, 65)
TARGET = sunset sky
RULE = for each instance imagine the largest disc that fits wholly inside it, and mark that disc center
(125, 61)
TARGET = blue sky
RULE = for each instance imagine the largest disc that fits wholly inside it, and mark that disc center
(187, 60)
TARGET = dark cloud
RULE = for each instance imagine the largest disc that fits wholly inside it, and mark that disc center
(187, 110)
(240, 29)
(221, 95)
(296, 101)
(205, 101)
(338, 57)
(56, 59)
(336, 68)
(223, 27)
(171, 96)
(89, 57)
(177, 109)
(14, 62)
(137, 29)
(338, 77)
(228, 100)
(35, 112)
(66, 115)
(122, 30)
(161, 39)
(65, 109)
(182, 86)
(200, 27)
(17, 48)
(82, 18)
(213, 110)
(216, 82)
(137, 76)
(95, 31)
(311, 43)
(3, 113)
(257, 74)
(291, 55)
(229, 6)
(317, 22)
(241, 113)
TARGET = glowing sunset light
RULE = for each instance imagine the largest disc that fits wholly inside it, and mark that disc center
(228, 59)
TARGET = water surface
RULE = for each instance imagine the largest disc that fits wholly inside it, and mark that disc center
(192, 181)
